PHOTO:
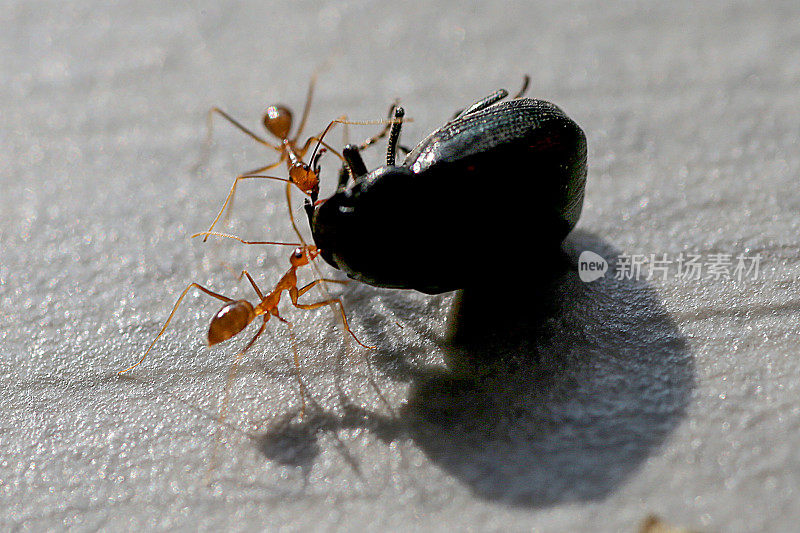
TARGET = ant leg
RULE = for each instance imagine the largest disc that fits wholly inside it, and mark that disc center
(235, 366)
(308, 207)
(306, 107)
(210, 133)
(308, 287)
(483, 103)
(233, 191)
(301, 152)
(352, 155)
(291, 214)
(381, 134)
(264, 169)
(296, 358)
(241, 128)
(341, 120)
(253, 283)
(234, 237)
(295, 293)
(525, 81)
(250, 173)
(226, 395)
(169, 319)
(309, 96)
(319, 140)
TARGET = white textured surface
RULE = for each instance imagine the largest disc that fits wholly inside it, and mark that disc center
(593, 406)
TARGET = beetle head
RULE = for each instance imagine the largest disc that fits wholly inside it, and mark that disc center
(346, 226)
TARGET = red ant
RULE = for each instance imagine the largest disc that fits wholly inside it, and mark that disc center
(236, 315)
(277, 120)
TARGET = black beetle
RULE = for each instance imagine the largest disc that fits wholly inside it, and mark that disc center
(500, 179)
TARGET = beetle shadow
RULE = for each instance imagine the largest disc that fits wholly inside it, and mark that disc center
(555, 390)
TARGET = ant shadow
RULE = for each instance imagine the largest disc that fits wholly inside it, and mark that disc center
(554, 390)
(294, 441)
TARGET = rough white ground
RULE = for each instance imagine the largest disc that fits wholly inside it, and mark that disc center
(551, 405)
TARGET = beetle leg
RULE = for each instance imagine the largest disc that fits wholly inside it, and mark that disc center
(344, 177)
(353, 159)
(525, 81)
(393, 117)
(394, 135)
(381, 134)
(483, 103)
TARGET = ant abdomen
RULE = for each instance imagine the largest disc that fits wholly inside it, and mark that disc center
(278, 121)
(230, 320)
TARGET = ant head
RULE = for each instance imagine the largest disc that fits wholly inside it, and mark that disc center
(303, 255)
(278, 121)
(305, 177)
(230, 320)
